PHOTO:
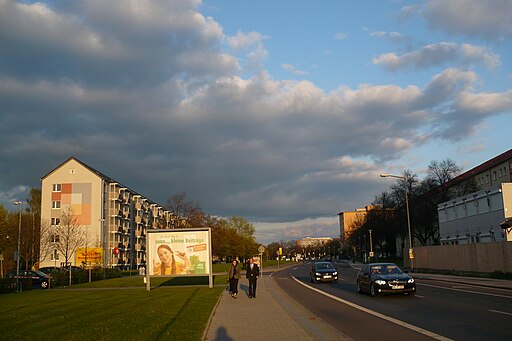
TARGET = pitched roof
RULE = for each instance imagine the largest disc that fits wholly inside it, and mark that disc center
(98, 173)
(481, 168)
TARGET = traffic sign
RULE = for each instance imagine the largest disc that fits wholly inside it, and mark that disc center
(261, 249)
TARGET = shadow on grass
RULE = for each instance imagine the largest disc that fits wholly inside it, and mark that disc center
(181, 281)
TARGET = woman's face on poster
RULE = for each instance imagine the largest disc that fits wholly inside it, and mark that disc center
(165, 255)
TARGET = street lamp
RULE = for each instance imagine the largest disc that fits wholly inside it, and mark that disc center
(371, 245)
(411, 252)
(20, 204)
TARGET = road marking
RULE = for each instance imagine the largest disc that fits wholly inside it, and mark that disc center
(374, 313)
(500, 312)
(468, 291)
(419, 296)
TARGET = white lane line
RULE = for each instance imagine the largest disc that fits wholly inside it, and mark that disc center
(374, 313)
(468, 291)
(500, 312)
(419, 296)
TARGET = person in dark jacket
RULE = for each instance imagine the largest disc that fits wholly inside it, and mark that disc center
(252, 274)
(233, 277)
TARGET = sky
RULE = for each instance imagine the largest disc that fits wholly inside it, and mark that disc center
(282, 112)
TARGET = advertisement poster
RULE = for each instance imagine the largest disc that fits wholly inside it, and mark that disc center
(91, 256)
(178, 252)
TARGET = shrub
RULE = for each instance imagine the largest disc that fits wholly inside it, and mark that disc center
(7, 285)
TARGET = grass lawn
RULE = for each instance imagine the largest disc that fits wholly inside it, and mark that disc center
(122, 309)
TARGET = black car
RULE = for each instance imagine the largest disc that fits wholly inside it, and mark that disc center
(49, 269)
(323, 272)
(39, 279)
(384, 278)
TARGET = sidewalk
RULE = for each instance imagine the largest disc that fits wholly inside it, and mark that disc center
(273, 315)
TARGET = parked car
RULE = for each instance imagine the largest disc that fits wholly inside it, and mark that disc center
(384, 278)
(39, 279)
(323, 272)
(48, 269)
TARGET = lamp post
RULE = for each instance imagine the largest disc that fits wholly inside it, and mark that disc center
(411, 252)
(20, 204)
(371, 245)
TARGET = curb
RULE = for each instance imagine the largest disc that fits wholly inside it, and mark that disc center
(209, 322)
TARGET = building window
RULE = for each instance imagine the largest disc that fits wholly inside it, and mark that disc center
(56, 204)
(55, 255)
(54, 238)
(494, 176)
(55, 221)
(487, 179)
(57, 187)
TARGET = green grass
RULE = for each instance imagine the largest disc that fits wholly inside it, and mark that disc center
(133, 313)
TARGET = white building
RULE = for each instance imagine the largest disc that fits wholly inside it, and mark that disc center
(476, 218)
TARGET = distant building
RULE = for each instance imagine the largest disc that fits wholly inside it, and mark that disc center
(351, 220)
(113, 217)
(310, 242)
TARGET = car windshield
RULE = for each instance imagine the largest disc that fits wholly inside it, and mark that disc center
(386, 269)
(322, 266)
(40, 273)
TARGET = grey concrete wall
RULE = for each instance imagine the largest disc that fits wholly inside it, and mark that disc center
(480, 257)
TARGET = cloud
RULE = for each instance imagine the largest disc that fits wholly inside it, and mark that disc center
(250, 43)
(291, 69)
(267, 232)
(489, 19)
(341, 36)
(438, 54)
(394, 37)
(159, 100)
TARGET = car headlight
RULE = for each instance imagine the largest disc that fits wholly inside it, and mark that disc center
(410, 280)
(318, 274)
(335, 273)
(380, 282)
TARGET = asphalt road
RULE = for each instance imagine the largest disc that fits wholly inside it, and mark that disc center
(439, 310)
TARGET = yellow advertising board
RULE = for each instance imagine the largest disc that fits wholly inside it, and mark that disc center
(90, 256)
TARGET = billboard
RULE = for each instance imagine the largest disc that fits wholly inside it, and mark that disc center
(90, 256)
(178, 252)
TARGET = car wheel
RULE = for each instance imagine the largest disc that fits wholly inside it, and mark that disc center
(44, 284)
(373, 292)
(359, 289)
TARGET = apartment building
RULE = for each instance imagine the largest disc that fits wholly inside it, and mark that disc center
(111, 218)
(351, 220)
(486, 176)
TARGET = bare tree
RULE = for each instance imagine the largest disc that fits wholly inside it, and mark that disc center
(70, 234)
(440, 173)
(188, 213)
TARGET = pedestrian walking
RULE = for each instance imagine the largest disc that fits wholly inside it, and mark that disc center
(252, 274)
(233, 277)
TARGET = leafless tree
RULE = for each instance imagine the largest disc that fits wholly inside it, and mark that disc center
(69, 232)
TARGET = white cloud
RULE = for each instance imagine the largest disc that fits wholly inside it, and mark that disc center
(291, 69)
(438, 54)
(341, 36)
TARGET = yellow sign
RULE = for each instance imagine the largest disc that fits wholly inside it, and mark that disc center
(89, 256)
(280, 251)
